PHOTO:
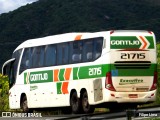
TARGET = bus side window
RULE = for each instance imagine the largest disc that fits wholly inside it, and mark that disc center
(97, 47)
(88, 51)
(41, 56)
(16, 55)
(35, 57)
(50, 55)
(62, 53)
(26, 60)
(38, 57)
(76, 48)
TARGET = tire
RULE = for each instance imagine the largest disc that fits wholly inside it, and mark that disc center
(86, 107)
(24, 105)
(75, 103)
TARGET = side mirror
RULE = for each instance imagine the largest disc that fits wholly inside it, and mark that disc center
(6, 65)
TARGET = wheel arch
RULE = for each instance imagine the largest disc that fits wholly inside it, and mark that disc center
(22, 95)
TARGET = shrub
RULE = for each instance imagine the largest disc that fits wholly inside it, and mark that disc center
(4, 89)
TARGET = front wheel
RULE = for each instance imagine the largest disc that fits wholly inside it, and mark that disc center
(24, 105)
(86, 107)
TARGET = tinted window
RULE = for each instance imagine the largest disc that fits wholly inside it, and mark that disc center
(88, 51)
(76, 48)
(62, 53)
(38, 57)
(16, 55)
(26, 62)
(50, 55)
(11, 76)
(41, 56)
(97, 47)
(14, 67)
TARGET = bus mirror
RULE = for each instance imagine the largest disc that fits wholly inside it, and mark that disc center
(6, 66)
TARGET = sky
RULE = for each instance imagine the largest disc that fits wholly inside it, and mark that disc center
(10, 5)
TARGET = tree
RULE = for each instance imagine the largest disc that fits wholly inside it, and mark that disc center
(4, 88)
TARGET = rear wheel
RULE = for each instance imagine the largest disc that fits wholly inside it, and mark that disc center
(75, 103)
(86, 107)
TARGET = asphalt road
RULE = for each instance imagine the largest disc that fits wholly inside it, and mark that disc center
(139, 114)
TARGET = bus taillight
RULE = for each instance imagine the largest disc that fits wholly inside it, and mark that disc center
(154, 85)
(109, 84)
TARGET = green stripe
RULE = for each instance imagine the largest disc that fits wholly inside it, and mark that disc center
(105, 68)
(75, 70)
(85, 72)
(150, 39)
(25, 75)
(59, 84)
(61, 77)
(134, 72)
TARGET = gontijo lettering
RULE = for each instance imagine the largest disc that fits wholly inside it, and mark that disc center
(36, 77)
(125, 42)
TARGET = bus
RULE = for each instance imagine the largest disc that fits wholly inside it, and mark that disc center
(83, 70)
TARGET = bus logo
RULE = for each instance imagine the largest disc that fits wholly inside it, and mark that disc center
(41, 76)
(125, 42)
(135, 42)
(38, 77)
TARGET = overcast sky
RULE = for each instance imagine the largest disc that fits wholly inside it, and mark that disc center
(10, 5)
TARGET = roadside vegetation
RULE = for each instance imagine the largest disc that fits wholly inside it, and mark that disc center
(158, 71)
(4, 89)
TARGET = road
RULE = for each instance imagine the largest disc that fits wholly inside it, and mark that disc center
(139, 114)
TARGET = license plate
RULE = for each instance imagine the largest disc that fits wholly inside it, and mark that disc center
(133, 96)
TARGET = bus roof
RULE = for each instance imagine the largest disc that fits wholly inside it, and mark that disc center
(80, 35)
(131, 32)
(59, 38)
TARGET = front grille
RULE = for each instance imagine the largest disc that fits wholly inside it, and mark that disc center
(132, 64)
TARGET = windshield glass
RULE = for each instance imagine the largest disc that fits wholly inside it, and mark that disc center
(13, 67)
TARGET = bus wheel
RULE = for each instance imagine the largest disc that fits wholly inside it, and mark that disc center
(24, 105)
(75, 103)
(86, 107)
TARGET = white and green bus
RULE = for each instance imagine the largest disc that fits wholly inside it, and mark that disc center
(83, 70)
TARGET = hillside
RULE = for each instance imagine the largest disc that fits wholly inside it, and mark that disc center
(49, 17)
